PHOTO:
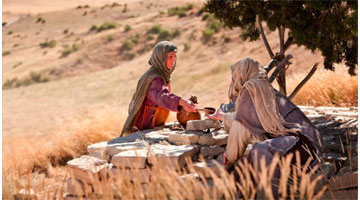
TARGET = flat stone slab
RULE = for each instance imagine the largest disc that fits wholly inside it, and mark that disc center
(183, 139)
(140, 175)
(206, 168)
(197, 125)
(132, 159)
(213, 138)
(130, 138)
(170, 154)
(97, 146)
(113, 149)
(159, 136)
(211, 151)
(86, 168)
(98, 154)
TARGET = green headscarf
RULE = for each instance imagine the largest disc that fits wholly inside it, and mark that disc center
(158, 68)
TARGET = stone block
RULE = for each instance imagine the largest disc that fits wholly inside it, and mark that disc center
(198, 125)
(130, 138)
(344, 182)
(142, 175)
(170, 154)
(132, 159)
(25, 194)
(340, 194)
(113, 149)
(213, 139)
(159, 136)
(78, 188)
(207, 168)
(183, 139)
(98, 154)
(211, 151)
(96, 147)
(87, 168)
(333, 156)
(194, 176)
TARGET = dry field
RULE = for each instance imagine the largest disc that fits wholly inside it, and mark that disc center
(84, 95)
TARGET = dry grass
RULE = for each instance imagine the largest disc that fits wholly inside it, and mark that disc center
(327, 88)
(21, 159)
(168, 183)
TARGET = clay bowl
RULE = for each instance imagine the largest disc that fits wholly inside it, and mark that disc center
(210, 110)
(207, 110)
(184, 116)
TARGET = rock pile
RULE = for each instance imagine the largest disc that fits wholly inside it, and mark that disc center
(140, 150)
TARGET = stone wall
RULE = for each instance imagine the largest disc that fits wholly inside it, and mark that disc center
(207, 138)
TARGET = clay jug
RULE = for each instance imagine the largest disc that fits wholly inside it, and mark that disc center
(184, 116)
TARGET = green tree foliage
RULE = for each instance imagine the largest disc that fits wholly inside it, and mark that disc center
(328, 26)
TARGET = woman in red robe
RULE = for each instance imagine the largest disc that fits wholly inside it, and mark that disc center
(153, 100)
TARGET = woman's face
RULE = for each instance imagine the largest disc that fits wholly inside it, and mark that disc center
(170, 60)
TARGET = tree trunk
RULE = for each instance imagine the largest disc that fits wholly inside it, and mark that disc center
(281, 78)
(302, 83)
(282, 81)
(266, 43)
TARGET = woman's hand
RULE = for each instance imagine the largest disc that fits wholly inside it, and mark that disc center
(218, 115)
(188, 105)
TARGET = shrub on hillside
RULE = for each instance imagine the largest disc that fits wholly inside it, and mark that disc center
(176, 33)
(129, 55)
(213, 23)
(110, 38)
(115, 5)
(207, 34)
(227, 39)
(180, 11)
(125, 9)
(67, 51)
(46, 44)
(205, 17)
(164, 35)
(104, 26)
(127, 28)
(107, 26)
(5, 53)
(4, 24)
(127, 45)
(34, 77)
(135, 39)
(150, 36)
(93, 28)
(9, 83)
(10, 32)
(186, 47)
(154, 29)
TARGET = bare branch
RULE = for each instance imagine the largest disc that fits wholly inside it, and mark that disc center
(281, 37)
(271, 64)
(278, 68)
(302, 83)
(264, 38)
(288, 43)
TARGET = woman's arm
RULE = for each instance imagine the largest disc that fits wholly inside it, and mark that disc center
(160, 95)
